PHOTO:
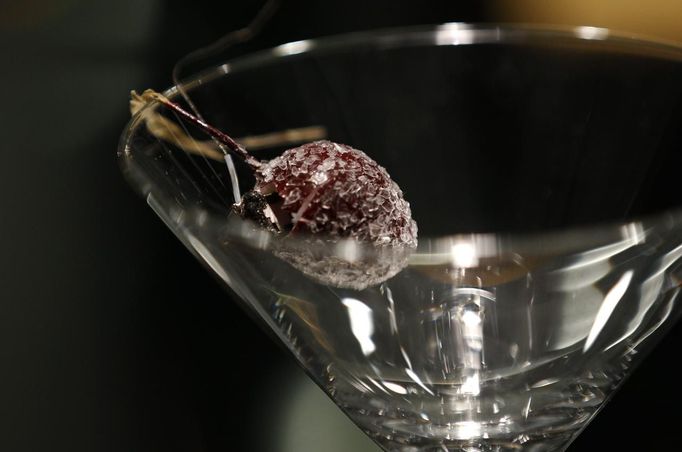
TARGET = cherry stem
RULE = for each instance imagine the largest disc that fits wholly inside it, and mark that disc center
(222, 137)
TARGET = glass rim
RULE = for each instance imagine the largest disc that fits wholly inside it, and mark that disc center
(450, 34)
(602, 233)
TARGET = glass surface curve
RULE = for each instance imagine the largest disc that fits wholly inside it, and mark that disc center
(540, 166)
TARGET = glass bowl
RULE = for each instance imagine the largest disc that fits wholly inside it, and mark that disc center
(540, 166)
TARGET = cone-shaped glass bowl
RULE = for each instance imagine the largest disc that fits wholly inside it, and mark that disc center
(541, 167)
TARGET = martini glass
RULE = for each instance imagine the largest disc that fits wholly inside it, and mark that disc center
(540, 166)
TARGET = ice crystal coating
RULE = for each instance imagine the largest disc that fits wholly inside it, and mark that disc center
(339, 191)
(335, 194)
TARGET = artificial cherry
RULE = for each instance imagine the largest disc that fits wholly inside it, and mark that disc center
(325, 190)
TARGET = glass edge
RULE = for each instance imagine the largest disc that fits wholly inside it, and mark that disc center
(461, 33)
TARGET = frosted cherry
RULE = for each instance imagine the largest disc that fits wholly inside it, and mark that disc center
(325, 192)
(331, 188)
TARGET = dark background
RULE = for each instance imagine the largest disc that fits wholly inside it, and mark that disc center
(112, 337)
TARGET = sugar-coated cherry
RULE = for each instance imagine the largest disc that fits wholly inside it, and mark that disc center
(334, 189)
(329, 191)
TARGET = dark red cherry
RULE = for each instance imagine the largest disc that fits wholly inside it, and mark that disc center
(334, 189)
(327, 190)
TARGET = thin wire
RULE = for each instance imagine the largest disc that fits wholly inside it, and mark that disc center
(206, 177)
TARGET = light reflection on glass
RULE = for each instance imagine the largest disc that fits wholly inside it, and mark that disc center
(591, 33)
(464, 255)
(361, 323)
(395, 387)
(454, 34)
(410, 373)
(471, 385)
(468, 430)
(293, 48)
(608, 305)
(649, 290)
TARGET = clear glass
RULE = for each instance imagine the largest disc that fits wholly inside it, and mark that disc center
(540, 166)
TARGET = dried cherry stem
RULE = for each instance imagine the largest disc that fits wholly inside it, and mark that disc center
(223, 138)
(167, 130)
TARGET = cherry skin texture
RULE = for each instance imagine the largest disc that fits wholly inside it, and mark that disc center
(336, 190)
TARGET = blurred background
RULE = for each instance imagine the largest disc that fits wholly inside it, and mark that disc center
(112, 337)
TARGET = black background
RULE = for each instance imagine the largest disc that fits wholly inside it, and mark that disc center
(112, 337)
